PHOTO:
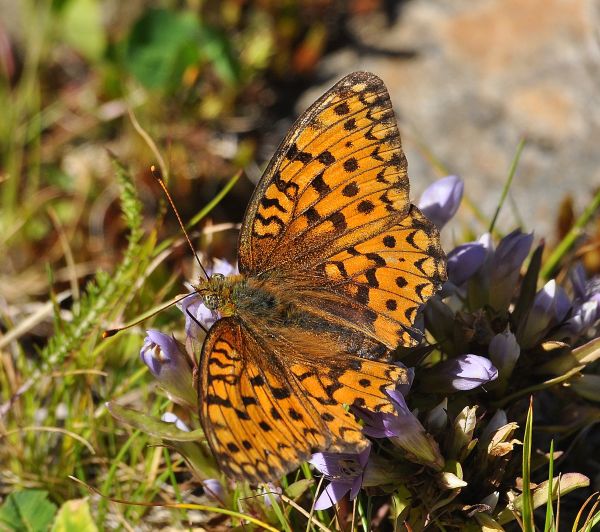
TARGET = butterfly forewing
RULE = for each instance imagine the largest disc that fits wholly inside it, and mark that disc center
(340, 165)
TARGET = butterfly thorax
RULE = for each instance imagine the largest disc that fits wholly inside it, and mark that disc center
(268, 298)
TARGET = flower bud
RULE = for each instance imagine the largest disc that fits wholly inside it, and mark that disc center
(504, 352)
(506, 266)
(404, 430)
(550, 306)
(440, 200)
(462, 373)
(171, 366)
(464, 261)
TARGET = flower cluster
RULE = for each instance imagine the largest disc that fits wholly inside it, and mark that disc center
(493, 334)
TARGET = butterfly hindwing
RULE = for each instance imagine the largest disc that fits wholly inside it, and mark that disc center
(254, 419)
(390, 275)
(341, 165)
(263, 419)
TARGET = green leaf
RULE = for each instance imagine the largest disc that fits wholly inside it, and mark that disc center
(549, 521)
(573, 360)
(215, 47)
(153, 427)
(27, 510)
(74, 516)
(587, 386)
(162, 44)
(296, 489)
(81, 27)
(526, 496)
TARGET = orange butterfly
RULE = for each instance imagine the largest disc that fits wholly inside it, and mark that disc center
(335, 263)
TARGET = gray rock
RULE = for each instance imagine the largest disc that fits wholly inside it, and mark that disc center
(483, 75)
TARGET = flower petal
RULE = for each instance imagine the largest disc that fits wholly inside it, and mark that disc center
(332, 494)
(440, 201)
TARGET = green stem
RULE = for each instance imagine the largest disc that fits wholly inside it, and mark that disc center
(215, 201)
(511, 174)
(569, 240)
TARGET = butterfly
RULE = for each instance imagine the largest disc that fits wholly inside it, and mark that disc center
(334, 265)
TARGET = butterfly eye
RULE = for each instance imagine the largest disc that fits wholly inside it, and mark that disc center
(212, 301)
(218, 277)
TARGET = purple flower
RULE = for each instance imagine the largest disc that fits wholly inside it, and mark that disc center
(506, 267)
(511, 252)
(171, 366)
(462, 373)
(584, 316)
(440, 201)
(195, 312)
(404, 430)
(270, 493)
(550, 307)
(586, 303)
(579, 281)
(345, 473)
(170, 417)
(214, 489)
(464, 261)
(504, 351)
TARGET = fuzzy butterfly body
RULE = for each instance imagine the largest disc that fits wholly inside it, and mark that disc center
(334, 265)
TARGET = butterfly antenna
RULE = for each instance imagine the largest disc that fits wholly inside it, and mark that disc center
(111, 332)
(158, 176)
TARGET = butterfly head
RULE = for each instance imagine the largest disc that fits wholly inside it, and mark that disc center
(216, 292)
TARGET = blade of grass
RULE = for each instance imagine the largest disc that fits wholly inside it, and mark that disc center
(508, 183)
(443, 170)
(283, 522)
(549, 523)
(593, 518)
(186, 506)
(363, 515)
(571, 237)
(527, 506)
(581, 509)
(215, 201)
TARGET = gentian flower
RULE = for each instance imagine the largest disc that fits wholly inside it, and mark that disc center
(582, 287)
(440, 201)
(464, 260)
(461, 373)
(170, 417)
(550, 307)
(171, 366)
(584, 316)
(345, 473)
(506, 267)
(504, 352)
(214, 489)
(404, 430)
(270, 492)
(586, 304)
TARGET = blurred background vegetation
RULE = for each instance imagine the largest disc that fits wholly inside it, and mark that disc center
(215, 84)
